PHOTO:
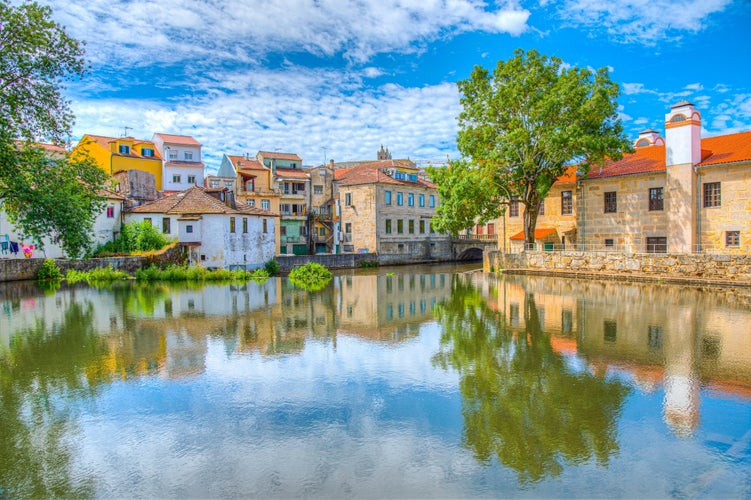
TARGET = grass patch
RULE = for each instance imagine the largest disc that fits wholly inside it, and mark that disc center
(184, 273)
(98, 275)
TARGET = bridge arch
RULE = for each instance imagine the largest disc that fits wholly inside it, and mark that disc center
(471, 253)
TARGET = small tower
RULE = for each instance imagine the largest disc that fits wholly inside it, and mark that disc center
(649, 137)
(383, 154)
(682, 152)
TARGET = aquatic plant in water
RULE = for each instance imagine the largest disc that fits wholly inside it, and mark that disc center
(311, 276)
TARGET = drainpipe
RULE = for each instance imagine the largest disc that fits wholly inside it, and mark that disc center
(698, 210)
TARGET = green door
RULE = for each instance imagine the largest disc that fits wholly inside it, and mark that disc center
(548, 247)
(300, 249)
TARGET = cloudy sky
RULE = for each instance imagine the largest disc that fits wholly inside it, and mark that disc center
(336, 79)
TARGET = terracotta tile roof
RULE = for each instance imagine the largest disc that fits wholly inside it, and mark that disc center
(52, 148)
(643, 160)
(540, 233)
(242, 163)
(292, 173)
(178, 139)
(369, 173)
(338, 173)
(729, 148)
(196, 201)
(111, 195)
(568, 177)
(279, 156)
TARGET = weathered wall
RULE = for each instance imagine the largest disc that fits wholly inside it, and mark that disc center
(27, 269)
(734, 213)
(699, 266)
(335, 261)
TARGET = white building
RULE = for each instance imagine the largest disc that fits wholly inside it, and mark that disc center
(182, 163)
(106, 227)
(218, 234)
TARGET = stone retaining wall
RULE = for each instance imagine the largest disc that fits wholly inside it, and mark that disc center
(352, 260)
(700, 266)
(27, 269)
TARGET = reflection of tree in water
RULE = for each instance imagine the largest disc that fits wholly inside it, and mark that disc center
(522, 403)
(43, 367)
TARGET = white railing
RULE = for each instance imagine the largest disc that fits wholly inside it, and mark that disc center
(636, 248)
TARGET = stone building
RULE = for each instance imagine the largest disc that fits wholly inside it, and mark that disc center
(678, 194)
(386, 208)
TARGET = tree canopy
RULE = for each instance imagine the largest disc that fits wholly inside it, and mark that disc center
(44, 195)
(522, 126)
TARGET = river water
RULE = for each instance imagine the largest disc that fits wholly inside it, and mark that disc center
(402, 382)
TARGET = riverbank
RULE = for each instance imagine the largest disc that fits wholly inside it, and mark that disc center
(687, 269)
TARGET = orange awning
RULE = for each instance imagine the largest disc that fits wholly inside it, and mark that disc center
(539, 234)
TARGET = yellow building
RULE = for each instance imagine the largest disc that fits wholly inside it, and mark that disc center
(116, 154)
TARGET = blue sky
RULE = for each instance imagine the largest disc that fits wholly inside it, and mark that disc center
(336, 79)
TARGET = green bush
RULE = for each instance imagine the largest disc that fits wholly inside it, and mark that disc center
(98, 275)
(311, 276)
(185, 273)
(271, 267)
(49, 271)
(368, 263)
(134, 237)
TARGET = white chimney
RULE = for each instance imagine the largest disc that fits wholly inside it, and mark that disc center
(682, 135)
(649, 137)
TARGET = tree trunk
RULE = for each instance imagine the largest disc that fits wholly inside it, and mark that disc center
(530, 217)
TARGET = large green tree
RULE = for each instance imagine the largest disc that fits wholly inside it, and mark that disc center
(44, 195)
(523, 125)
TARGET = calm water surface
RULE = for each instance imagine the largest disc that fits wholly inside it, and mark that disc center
(418, 382)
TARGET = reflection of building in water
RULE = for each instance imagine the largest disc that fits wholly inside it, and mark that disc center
(681, 337)
(389, 307)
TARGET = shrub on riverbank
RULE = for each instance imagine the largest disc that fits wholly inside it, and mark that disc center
(184, 273)
(134, 237)
(311, 276)
(49, 271)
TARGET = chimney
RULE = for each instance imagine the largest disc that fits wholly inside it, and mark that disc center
(649, 137)
(331, 163)
(682, 135)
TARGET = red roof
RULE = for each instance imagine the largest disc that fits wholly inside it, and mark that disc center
(196, 201)
(292, 173)
(242, 163)
(568, 176)
(279, 156)
(178, 139)
(539, 234)
(719, 150)
(340, 172)
(729, 148)
(370, 173)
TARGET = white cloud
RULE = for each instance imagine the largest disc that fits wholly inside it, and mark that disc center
(147, 32)
(293, 109)
(641, 21)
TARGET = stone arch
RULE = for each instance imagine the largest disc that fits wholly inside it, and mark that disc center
(469, 254)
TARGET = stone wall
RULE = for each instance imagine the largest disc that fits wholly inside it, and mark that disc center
(684, 266)
(354, 260)
(27, 269)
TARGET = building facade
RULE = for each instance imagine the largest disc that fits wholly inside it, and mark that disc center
(182, 163)
(116, 154)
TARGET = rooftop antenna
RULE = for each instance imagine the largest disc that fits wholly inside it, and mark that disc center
(125, 131)
(324, 155)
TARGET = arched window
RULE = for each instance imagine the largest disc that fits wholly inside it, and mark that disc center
(641, 143)
(678, 118)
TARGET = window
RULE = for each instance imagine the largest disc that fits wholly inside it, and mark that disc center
(388, 226)
(712, 194)
(611, 202)
(227, 184)
(124, 150)
(541, 210)
(322, 231)
(513, 209)
(214, 184)
(348, 199)
(422, 227)
(250, 185)
(192, 179)
(188, 155)
(265, 204)
(175, 178)
(399, 226)
(567, 205)
(265, 226)
(203, 256)
(173, 154)
(732, 238)
(110, 212)
(400, 199)
(148, 152)
(411, 226)
(609, 331)
(231, 224)
(317, 189)
(655, 199)
(147, 219)
(387, 200)
(432, 201)
(348, 228)
(283, 231)
(411, 199)
(165, 225)
(657, 244)
(609, 242)
(189, 228)
(251, 203)
(245, 225)
(422, 200)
